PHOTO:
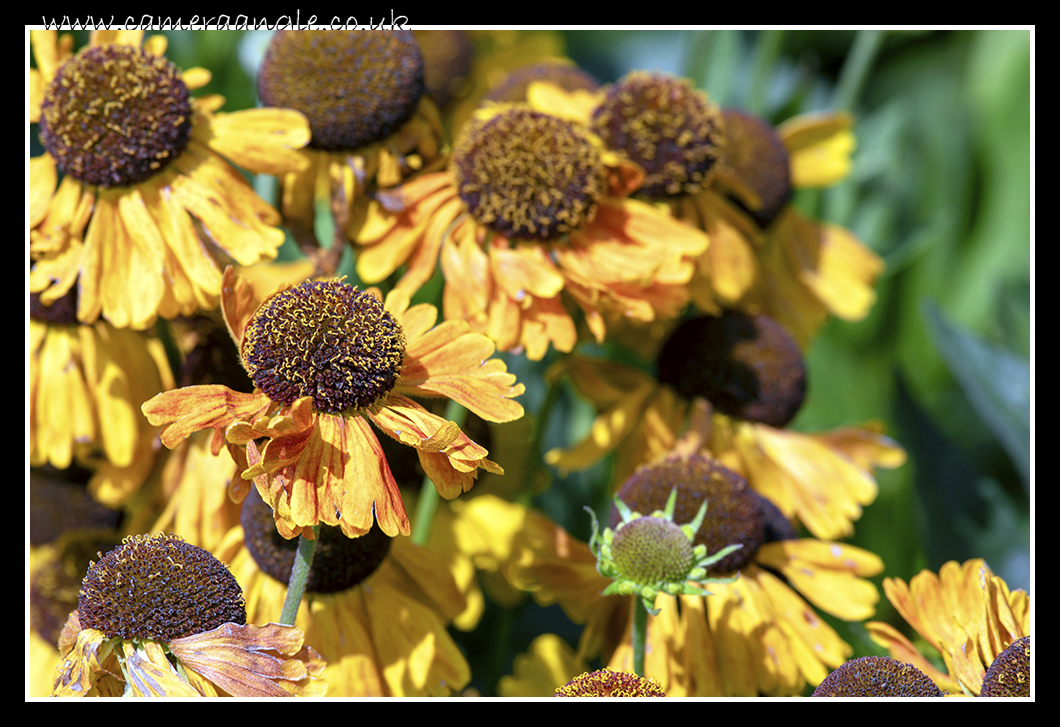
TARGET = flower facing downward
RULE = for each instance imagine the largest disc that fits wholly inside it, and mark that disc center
(327, 359)
(649, 555)
(372, 125)
(170, 619)
(607, 683)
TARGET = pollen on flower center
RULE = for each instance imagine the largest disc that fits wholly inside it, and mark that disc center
(877, 676)
(327, 340)
(607, 683)
(160, 588)
(734, 510)
(527, 174)
(115, 115)
(666, 126)
(1010, 674)
(339, 562)
(746, 366)
(355, 87)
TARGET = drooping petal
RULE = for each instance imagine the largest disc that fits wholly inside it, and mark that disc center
(263, 140)
(831, 575)
(451, 361)
(254, 661)
(193, 408)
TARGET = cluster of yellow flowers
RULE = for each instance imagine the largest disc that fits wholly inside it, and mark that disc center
(491, 203)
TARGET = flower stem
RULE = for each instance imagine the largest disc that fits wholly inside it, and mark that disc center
(640, 632)
(428, 500)
(303, 560)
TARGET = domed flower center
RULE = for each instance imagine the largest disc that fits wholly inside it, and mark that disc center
(877, 676)
(651, 550)
(746, 366)
(527, 174)
(160, 588)
(327, 340)
(734, 511)
(758, 158)
(115, 115)
(339, 563)
(354, 86)
(664, 125)
(607, 683)
(1010, 674)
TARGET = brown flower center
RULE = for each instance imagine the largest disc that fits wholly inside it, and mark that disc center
(664, 125)
(607, 683)
(877, 676)
(339, 563)
(527, 174)
(354, 86)
(1010, 674)
(746, 366)
(160, 588)
(758, 158)
(734, 510)
(327, 340)
(115, 115)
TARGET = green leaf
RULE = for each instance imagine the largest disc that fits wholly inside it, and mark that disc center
(996, 382)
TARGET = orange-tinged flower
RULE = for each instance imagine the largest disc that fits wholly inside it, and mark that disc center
(156, 603)
(732, 175)
(966, 613)
(529, 209)
(148, 199)
(327, 360)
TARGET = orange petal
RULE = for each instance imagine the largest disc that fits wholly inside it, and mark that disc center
(193, 408)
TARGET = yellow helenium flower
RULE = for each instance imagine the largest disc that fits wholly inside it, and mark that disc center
(86, 386)
(732, 175)
(377, 607)
(158, 617)
(822, 479)
(147, 200)
(528, 210)
(965, 612)
(754, 635)
(328, 359)
(372, 126)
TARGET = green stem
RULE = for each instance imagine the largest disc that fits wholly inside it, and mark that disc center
(428, 499)
(640, 633)
(303, 560)
(535, 468)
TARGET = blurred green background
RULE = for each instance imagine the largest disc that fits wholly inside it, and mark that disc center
(941, 188)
